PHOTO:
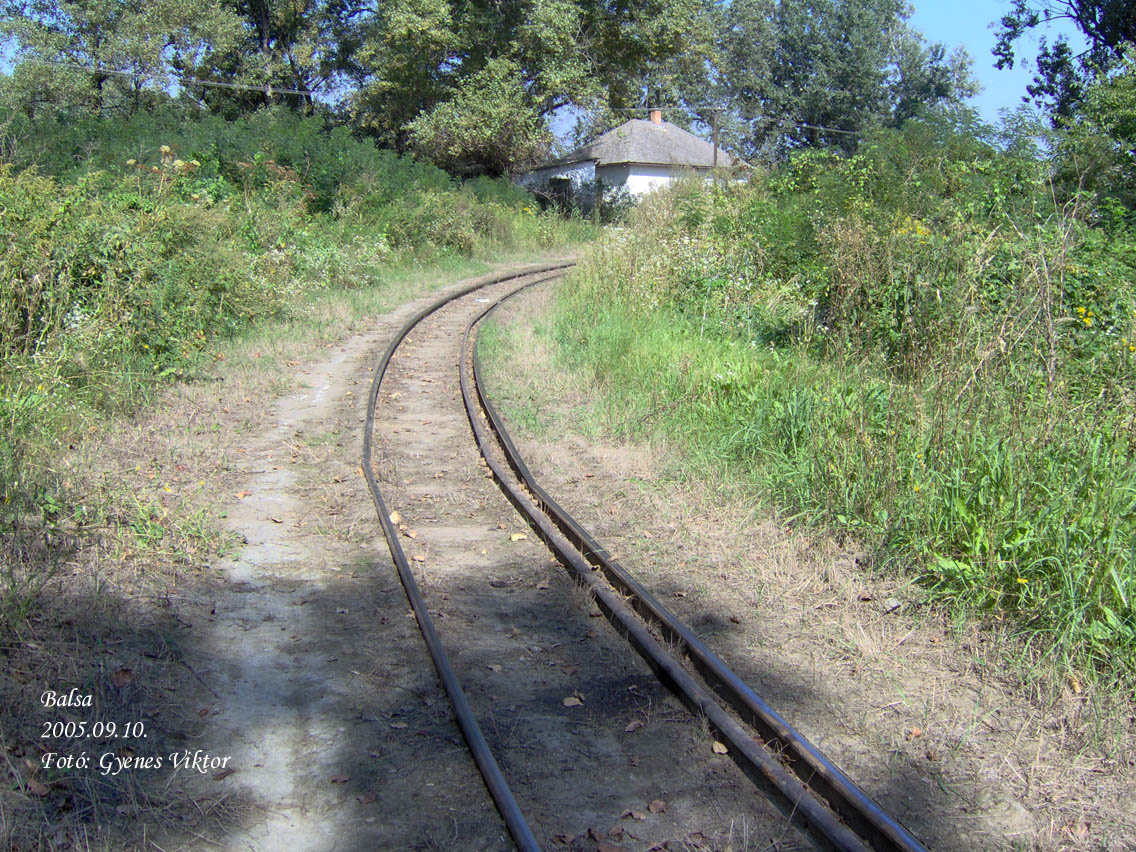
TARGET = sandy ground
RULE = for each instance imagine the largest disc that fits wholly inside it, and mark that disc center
(287, 669)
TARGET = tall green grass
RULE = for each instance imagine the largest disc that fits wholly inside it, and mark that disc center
(919, 346)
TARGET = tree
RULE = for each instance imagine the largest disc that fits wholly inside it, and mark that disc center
(925, 75)
(107, 55)
(819, 72)
(305, 46)
(489, 126)
(1062, 75)
(418, 55)
(407, 54)
(1096, 152)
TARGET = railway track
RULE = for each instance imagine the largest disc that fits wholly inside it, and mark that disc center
(810, 791)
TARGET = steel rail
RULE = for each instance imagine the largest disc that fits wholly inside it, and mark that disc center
(870, 821)
(494, 779)
(803, 805)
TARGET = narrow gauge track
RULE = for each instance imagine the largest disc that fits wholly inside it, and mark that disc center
(814, 793)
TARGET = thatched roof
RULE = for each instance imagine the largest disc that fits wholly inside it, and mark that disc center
(648, 143)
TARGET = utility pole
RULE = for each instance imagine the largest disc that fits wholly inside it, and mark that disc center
(714, 136)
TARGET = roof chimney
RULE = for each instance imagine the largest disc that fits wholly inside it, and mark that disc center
(656, 116)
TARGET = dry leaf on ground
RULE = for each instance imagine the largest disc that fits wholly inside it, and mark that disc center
(571, 701)
(719, 748)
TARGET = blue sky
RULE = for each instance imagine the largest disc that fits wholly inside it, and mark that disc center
(968, 23)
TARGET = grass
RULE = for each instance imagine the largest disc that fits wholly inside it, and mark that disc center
(132, 255)
(527, 395)
(993, 519)
(950, 669)
(148, 277)
(949, 385)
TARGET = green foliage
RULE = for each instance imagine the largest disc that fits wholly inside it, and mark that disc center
(431, 71)
(819, 72)
(119, 270)
(1096, 148)
(488, 126)
(913, 345)
(473, 85)
(307, 46)
(131, 47)
(1062, 74)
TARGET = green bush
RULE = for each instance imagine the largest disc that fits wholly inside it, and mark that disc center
(126, 248)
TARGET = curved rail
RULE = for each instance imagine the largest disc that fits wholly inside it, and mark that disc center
(483, 756)
(871, 822)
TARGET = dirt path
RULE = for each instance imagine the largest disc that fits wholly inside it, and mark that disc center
(318, 687)
(294, 686)
(314, 686)
(581, 728)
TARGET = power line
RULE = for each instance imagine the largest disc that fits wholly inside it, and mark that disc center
(698, 107)
(267, 88)
(270, 90)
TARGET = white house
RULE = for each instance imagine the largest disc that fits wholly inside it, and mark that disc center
(629, 161)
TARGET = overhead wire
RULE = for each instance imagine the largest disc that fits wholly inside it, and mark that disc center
(270, 90)
(267, 88)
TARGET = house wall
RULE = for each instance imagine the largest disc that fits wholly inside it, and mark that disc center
(581, 178)
(627, 180)
(638, 179)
